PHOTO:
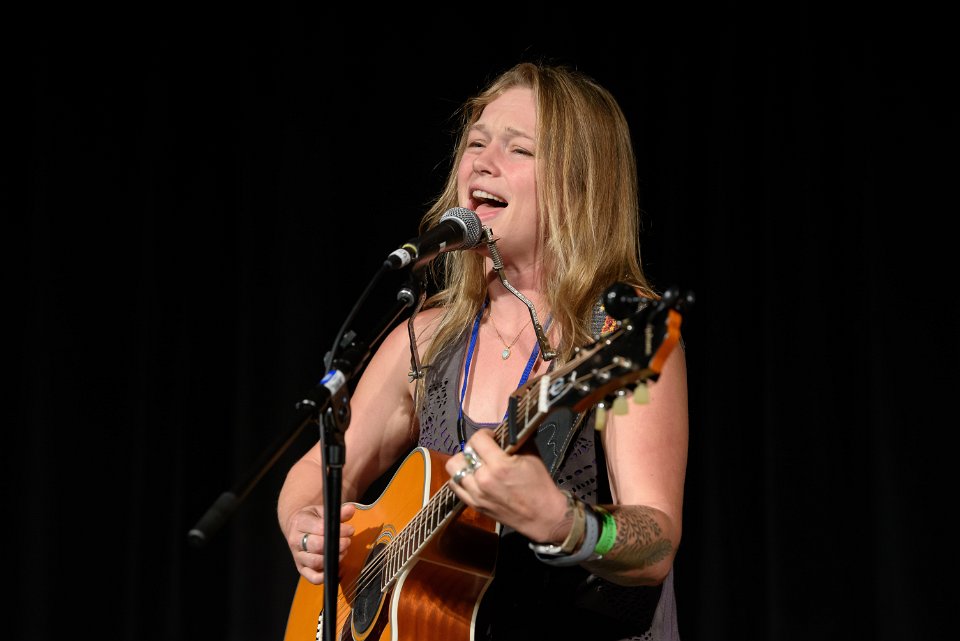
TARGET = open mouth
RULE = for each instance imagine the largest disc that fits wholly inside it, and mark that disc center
(486, 200)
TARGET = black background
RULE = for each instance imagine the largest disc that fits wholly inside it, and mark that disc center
(203, 198)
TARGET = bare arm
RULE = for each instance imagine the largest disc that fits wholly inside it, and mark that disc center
(381, 430)
(646, 453)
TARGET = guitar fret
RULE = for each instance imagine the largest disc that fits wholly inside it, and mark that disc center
(388, 568)
(437, 508)
(395, 562)
(410, 541)
(427, 520)
(399, 552)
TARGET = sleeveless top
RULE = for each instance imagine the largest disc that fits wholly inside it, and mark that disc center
(529, 599)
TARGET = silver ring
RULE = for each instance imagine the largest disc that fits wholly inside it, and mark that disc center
(303, 541)
(471, 457)
(458, 477)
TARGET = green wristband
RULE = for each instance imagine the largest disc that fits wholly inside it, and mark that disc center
(608, 532)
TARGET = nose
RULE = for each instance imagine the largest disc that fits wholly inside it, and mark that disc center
(487, 161)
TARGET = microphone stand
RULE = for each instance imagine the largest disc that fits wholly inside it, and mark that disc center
(335, 420)
(327, 405)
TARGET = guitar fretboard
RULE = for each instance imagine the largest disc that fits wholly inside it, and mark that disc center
(445, 503)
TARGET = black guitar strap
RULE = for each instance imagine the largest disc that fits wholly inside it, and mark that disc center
(555, 435)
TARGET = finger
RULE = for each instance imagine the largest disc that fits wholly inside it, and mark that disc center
(460, 475)
(484, 446)
(313, 543)
(454, 464)
(311, 575)
(347, 510)
(315, 523)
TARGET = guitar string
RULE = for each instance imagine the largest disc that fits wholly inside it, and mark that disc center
(444, 495)
(434, 506)
(417, 523)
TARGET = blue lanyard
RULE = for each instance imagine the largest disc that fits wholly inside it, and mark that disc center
(461, 433)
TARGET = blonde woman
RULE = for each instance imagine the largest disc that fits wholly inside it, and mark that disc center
(587, 532)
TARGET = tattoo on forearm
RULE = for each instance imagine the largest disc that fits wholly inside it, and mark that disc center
(640, 541)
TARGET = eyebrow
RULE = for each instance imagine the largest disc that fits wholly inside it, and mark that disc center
(511, 130)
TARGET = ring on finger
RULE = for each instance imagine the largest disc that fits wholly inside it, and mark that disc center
(470, 455)
(303, 541)
(458, 477)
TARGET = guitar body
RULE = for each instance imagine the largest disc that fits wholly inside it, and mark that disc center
(435, 597)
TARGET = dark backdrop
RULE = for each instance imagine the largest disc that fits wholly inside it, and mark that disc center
(202, 200)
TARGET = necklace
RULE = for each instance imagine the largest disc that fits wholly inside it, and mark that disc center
(505, 354)
(461, 430)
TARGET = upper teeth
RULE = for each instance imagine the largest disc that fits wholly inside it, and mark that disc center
(479, 193)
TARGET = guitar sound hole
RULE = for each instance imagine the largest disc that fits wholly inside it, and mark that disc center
(367, 604)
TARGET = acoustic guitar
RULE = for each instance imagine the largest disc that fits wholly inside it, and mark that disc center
(420, 560)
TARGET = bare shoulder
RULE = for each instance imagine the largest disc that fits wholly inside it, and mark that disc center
(395, 348)
(427, 321)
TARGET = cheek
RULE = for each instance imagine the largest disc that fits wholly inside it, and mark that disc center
(463, 174)
(527, 185)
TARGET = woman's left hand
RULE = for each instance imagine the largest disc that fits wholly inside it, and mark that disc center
(514, 489)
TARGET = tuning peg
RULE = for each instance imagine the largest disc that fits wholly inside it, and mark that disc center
(601, 420)
(641, 394)
(620, 406)
(672, 298)
(622, 301)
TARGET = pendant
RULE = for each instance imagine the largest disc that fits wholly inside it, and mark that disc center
(505, 354)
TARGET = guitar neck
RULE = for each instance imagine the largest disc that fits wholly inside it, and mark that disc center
(445, 504)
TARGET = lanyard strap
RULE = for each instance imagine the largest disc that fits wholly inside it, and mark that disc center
(461, 432)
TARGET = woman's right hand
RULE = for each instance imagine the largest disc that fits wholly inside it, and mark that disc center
(305, 537)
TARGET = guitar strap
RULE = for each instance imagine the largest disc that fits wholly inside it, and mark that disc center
(558, 431)
(555, 435)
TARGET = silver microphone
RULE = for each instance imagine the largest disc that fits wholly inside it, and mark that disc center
(459, 228)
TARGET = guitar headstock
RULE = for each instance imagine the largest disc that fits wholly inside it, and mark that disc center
(612, 367)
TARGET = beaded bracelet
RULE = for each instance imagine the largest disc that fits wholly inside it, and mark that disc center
(586, 551)
(608, 532)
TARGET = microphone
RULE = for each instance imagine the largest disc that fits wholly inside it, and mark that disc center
(459, 228)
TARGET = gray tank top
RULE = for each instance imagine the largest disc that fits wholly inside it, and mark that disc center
(529, 599)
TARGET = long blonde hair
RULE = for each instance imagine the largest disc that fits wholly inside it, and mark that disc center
(587, 194)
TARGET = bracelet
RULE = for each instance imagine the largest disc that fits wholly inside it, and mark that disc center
(608, 532)
(576, 530)
(585, 553)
